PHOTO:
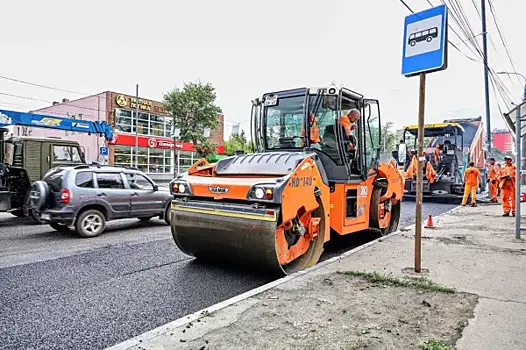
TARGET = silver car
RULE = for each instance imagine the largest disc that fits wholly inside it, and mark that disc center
(85, 197)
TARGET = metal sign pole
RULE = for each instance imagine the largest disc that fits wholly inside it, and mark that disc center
(518, 174)
(419, 174)
(424, 51)
(137, 126)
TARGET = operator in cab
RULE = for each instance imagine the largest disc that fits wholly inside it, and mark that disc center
(493, 180)
(314, 131)
(471, 183)
(507, 185)
(348, 122)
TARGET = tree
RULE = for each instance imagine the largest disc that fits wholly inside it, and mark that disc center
(193, 109)
(237, 142)
(388, 142)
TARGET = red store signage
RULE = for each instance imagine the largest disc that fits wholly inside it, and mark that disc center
(155, 142)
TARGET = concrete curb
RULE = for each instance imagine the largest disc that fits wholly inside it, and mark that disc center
(142, 338)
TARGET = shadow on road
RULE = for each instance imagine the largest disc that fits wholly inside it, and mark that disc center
(12, 221)
(335, 247)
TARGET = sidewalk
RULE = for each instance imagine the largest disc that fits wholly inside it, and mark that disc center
(344, 304)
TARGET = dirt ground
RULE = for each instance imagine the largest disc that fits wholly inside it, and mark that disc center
(317, 315)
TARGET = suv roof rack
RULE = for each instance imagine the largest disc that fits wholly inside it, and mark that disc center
(82, 166)
(131, 167)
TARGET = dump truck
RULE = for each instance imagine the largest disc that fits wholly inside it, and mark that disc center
(306, 182)
(452, 145)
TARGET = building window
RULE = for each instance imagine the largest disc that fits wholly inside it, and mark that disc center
(151, 160)
(149, 124)
(123, 121)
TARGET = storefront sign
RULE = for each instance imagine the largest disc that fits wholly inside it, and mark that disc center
(156, 142)
(131, 102)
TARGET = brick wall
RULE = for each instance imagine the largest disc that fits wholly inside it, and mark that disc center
(217, 135)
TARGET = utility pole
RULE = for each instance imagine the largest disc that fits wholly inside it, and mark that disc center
(486, 82)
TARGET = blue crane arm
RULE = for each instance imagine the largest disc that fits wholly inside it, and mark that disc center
(9, 118)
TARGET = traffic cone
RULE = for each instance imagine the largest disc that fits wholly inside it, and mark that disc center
(429, 223)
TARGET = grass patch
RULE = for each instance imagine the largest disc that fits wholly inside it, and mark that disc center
(419, 283)
(433, 344)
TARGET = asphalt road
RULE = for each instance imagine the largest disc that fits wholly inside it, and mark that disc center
(61, 292)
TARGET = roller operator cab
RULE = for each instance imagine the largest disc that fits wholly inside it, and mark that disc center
(275, 208)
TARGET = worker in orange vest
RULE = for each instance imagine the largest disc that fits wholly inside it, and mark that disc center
(471, 183)
(430, 172)
(507, 186)
(348, 121)
(314, 131)
(493, 180)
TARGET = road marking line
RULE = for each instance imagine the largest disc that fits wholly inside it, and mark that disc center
(142, 338)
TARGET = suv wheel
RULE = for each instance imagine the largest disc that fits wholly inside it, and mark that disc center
(90, 223)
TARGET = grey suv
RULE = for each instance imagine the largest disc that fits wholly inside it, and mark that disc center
(87, 196)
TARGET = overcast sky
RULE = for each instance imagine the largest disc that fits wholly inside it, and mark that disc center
(246, 48)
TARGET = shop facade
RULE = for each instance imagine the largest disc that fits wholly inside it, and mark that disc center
(156, 145)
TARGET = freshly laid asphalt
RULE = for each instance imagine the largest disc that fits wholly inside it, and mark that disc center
(63, 292)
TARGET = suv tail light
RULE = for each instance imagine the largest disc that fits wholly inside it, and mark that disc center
(65, 196)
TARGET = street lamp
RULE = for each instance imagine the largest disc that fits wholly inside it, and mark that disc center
(520, 75)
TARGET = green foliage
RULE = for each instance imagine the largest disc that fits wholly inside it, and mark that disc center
(237, 142)
(388, 142)
(193, 108)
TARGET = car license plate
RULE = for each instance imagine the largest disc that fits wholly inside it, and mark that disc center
(45, 217)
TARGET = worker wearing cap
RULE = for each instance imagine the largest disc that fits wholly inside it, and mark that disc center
(507, 185)
(493, 180)
(471, 183)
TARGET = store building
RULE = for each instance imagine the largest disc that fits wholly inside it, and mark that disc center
(155, 127)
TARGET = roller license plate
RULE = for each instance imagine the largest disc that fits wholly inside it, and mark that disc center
(45, 217)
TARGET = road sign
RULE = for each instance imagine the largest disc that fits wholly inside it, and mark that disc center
(104, 151)
(425, 42)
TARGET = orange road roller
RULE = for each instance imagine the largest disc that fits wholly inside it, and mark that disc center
(315, 172)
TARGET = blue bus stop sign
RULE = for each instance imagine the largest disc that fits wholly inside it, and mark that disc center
(425, 42)
(104, 151)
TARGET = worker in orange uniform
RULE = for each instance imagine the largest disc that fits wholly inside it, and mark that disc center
(314, 131)
(493, 180)
(507, 185)
(348, 122)
(430, 172)
(471, 183)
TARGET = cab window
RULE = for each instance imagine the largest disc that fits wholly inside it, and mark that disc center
(284, 123)
(372, 134)
(66, 154)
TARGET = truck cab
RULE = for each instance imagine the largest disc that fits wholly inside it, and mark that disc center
(27, 159)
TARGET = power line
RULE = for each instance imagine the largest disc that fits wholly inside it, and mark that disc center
(51, 102)
(42, 86)
(508, 53)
